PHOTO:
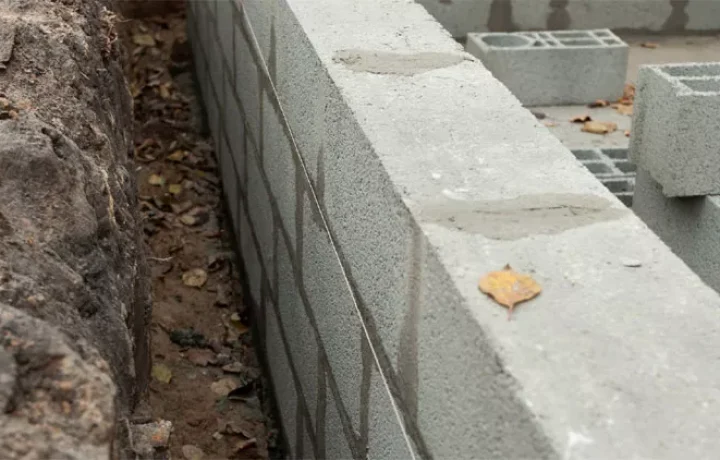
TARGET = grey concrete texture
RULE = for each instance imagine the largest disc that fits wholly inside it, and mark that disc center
(555, 68)
(612, 167)
(414, 172)
(689, 226)
(461, 17)
(675, 126)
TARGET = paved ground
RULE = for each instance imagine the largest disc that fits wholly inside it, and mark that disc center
(669, 49)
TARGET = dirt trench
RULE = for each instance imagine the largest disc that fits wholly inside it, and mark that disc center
(206, 378)
(123, 333)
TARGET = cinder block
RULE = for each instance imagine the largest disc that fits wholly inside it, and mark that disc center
(247, 82)
(229, 178)
(234, 124)
(225, 29)
(297, 328)
(386, 438)
(555, 68)
(279, 164)
(286, 394)
(336, 444)
(689, 226)
(259, 13)
(612, 167)
(330, 298)
(676, 125)
(260, 209)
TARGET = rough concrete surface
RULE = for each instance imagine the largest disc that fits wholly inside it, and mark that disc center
(675, 127)
(555, 67)
(689, 226)
(73, 294)
(658, 16)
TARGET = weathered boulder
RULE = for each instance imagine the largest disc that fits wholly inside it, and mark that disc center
(74, 289)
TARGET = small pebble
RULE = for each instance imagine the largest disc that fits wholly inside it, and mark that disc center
(634, 263)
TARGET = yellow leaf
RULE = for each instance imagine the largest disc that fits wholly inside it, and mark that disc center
(197, 277)
(177, 155)
(509, 288)
(143, 40)
(164, 90)
(161, 373)
(156, 180)
(237, 324)
(599, 127)
(175, 189)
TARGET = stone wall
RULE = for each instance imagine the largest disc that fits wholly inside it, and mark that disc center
(74, 298)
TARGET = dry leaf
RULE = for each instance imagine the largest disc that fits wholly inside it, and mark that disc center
(623, 109)
(164, 90)
(237, 324)
(242, 445)
(598, 103)
(191, 452)
(201, 357)
(223, 386)
(197, 277)
(157, 180)
(627, 133)
(581, 118)
(175, 189)
(161, 373)
(179, 208)
(599, 127)
(233, 368)
(143, 40)
(650, 45)
(549, 124)
(177, 155)
(509, 288)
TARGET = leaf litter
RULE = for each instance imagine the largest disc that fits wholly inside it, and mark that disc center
(199, 351)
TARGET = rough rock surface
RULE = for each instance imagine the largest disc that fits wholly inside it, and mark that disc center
(74, 293)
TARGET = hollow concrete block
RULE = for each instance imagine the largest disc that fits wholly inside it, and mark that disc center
(555, 68)
(676, 125)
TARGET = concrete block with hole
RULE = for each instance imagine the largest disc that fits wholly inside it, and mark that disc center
(612, 167)
(676, 127)
(555, 68)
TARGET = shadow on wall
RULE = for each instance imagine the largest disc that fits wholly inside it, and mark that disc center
(642, 16)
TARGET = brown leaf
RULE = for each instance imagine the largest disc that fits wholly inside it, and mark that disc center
(598, 103)
(237, 323)
(201, 357)
(179, 208)
(599, 127)
(197, 277)
(233, 427)
(623, 109)
(223, 386)
(650, 45)
(549, 124)
(509, 288)
(177, 155)
(627, 133)
(191, 452)
(242, 445)
(235, 367)
(581, 118)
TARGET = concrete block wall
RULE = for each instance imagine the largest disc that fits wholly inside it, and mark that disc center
(461, 17)
(374, 172)
(555, 68)
(675, 127)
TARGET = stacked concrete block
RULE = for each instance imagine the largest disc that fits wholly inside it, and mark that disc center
(380, 176)
(555, 68)
(612, 167)
(689, 226)
(676, 125)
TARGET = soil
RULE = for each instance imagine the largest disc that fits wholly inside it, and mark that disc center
(206, 376)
